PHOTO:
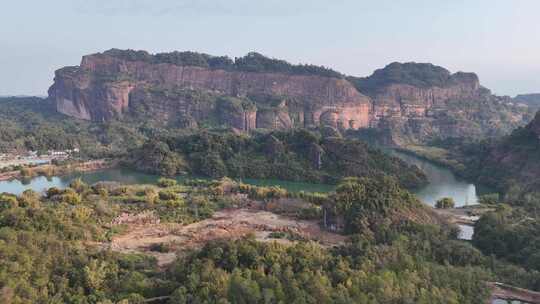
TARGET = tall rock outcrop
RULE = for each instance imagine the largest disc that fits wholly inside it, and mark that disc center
(105, 85)
(415, 102)
(410, 102)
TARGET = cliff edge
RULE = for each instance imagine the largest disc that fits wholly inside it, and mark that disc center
(407, 102)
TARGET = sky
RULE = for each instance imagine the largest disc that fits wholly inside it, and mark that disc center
(497, 39)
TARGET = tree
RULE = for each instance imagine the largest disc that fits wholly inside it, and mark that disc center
(489, 199)
(445, 203)
(166, 182)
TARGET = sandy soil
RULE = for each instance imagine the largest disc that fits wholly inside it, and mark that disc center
(227, 224)
(463, 215)
(512, 293)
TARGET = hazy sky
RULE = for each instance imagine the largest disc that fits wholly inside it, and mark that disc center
(499, 40)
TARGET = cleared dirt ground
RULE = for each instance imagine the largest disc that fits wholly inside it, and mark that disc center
(226, 224)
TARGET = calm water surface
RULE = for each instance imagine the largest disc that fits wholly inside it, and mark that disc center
(443, 183)
(127, 176)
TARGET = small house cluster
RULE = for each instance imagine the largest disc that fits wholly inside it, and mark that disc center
(35, 156)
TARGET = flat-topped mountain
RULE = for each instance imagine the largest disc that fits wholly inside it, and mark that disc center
(413, 102)
(189, 88)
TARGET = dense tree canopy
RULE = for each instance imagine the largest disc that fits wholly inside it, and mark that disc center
(252, 62)
(298, 155)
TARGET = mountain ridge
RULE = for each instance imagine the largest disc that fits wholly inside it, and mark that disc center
(414, 101)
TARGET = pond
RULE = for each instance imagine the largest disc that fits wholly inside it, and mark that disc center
(127, 176)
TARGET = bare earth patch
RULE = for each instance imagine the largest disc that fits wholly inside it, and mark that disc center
(226, 224)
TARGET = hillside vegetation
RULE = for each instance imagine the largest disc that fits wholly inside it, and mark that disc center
(421, 75)
(51, 253)
(32, 124)
(297, 155)
(252, 62)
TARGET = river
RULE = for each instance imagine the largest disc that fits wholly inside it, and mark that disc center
(127, 176)
(443, 183)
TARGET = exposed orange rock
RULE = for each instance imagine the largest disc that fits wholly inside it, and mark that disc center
(411, 101)
(96, 91)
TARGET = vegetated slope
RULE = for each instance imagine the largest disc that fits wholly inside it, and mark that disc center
(297, 155)
(32, 124)
(50, 243)
(512, 164)
(512, 234)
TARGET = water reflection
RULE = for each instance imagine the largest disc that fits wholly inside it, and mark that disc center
(442, 183)
(465, 232)
(126, 176)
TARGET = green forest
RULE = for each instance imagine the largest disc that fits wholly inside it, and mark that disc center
(51, 252)
(252, 62)
(297, 155)
(55, 247)
(32, 124)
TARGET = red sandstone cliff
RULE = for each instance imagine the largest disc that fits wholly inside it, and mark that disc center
(101, 89)
(414, 102)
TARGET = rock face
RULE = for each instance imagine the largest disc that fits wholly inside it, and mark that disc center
(413, 102)
(101, 89)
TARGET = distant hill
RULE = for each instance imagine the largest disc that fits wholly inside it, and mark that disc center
(532, 100)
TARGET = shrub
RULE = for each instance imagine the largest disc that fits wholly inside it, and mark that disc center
(445, 203)
(160, 247)
(70, 197)
(8, 201)
(489, 199)
(53, 191)
(78, 185)
(166, 182)
(168, 195)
